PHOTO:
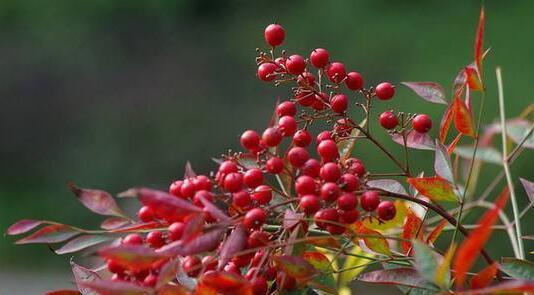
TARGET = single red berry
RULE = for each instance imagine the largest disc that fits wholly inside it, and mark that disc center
(280, 62)
(319, 57)
(323, 136)
(327, 149)
(254, 218)
(370, 200)
(335, 229)
(354, 81)
(321, 101)
(349, 216)
(343, 127)
(175, 188)
(388, 120)
(295, 64)
(305, 185)
(355, 167)
(274, 34)
(132, 239)
(114, 267)
(309, 204)
(145, 214)
(325, 217)
(339, 103)
(192, 266)
(274, 165)
(311, 168)
(227, 167)
(150, 280)
(286, 108)
(305, 98)
(250, 140)
(176, 230)
(347, 202)
(202, 194)
(272, 136)
(297, 156)
(287, 125)
(241, 199)
(209, 262)
(262, 195)
(155, 239)
(233, 182)
(231, 267)
(302, 138)
(330, 172)
(336, 72)
(259, 285)
(422, 123)
(386, 210)
(243, 260)
(266, 71)
(306, 79)
(385, 91)
(257, 239)
(285, 282)
(202, 182)
(253, 177)
(329, 191)
(188, 188)
(349, 182)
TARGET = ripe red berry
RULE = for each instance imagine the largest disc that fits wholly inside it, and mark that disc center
(305, 98)
(155, 239)
(250, 140)
(319, 57)
(324, 135)
(370, 200)
(336, 72)
(241, 199)
(347, 202)
(329, 191)
(188, 188)
(324, 217)
(339, 103)
(274, 34)
(297, 156)
(115, 267)
(202, 194)
(274, 165)
(422, 123)
(202, 182)
(309, 204)
(327, 149)
(233, 182)
(335, 229)
(150, 280)
(132, 239)
(257, 239)
(176, 230)
(354, 81)
(259, 285)
(330, 172)
(311, 168)
(254, 218)
(302, 138)
(348, 216)
(286, 108)
(355, 166)
(266, 71)
(231, 267)
(295, 64)
(145, 214)
(262, 194)
(385, 91)
(305, 185)
(272, 136)
(175, 188)
(192, 266)
(253, 177)
(287, 125)
(388, 120)
(321, 101)
(386, 210)
(306, 79)
(349, 182)
(343, 127)
(227, 167)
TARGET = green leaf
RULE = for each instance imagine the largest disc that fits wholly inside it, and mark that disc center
(517, 268)
(435, 188)
(355, 264)
(407, 277)
(484, 154)
(518, 130)
(425, 261)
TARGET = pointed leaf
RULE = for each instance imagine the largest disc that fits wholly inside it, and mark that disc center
(397, 276)
(294, 266)
(453, 144)
(443, 272)
(518, 268)
(434, 234)
(434, 188)
(109, 287)
(415, 140)
(97, 201)
(507, 287)
(446, 121)
(518, 130)
(137, 257)
(388, 185)
(225, 282)
(383, 225)
(114, 223)
(484, 277)
(442, 163)
(81, 243)
(462, 118)
(167, 273)
(50, 234)
(473, 79)
(214, 211)
(23, 226)
(371, 238)
(429, 91)
(412, 229)
(346, 146)
(354, 265)
(136, 227)
(485, 154)
(81, 275)
(189, 172)
(203, 243)
(479, 40)
(235, 242)
(529, 189)
(426, 261)
(166, 205)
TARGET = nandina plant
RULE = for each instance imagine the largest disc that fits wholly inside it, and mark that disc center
(297, 212)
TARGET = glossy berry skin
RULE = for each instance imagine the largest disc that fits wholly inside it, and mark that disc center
(253, 177)
(287, 125)
(188, 188)
(202, 194)
(335, 229)
(305, 98)
(385, 91)
(254, 218)
(354, 81)
(347, 202)
(297, 156)
(370, 200)
(274, 34)
(250, 140)
(306, 79)
(309, 204)
(329, 192)
(228, 167)
(262, 195)
(257, 239)
(311, 168)
(192, 266)
(295, 64)
(388, 120)
(327, 149)
(241, 199)
(272, 136)
(305, 185)
(349, 216)
(155, 239)
(286, 108)
(202, 182)
(175, 188)
(145, 214)
(339, 103)
(274, 165)
(323, 217)
(176, 230)
(302, 138)
(231, 267)
(259, 285)
(114, 267)
(386, 210)
(330, 172)
(336, 72)
(323, 136)
(150, 280)
(233, 182)
(132, 239)
(422, 123)
(266, 71)
(319, 57)
(355, 167)
(349, 182)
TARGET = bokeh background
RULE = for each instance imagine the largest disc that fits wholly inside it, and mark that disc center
(112, 94)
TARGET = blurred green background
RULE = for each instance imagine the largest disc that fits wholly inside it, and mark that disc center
(112, 94)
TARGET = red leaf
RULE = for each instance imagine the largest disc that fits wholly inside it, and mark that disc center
(446, 121)
(135, 257)
(397, 276)
(81, 243)
(50, 234)
(453, 144)
(203, 243)
(434, 188)
(63, 292)
(462, 118)
(412, 229)
(135, 227)
(214, 211)
(114, 223)
(97, 201)
(429, 91)
(294, 266)
(434, 234)
(225, 282)
(485, 276)
(167, 273)
(479, 40)
(194, 224)
(415, 140)
(235, 242)
(108, 287)
(471, 246)
(473, 79)
(189, 172)
(165, 205)
(319, 261)
(23, 226)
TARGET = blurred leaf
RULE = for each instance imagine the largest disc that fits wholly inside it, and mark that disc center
(479, 40)
(225, 282)
(23, 226)
(429, 91)
(137, 257)
(166, 205)
(485, 154)
(63, 292)
(443, 273)
(173, 290)
(81, 243)
(435, 188)
(388, 185)
(518, 268)
(167, 273)
(97, 201)
(463, 120)
(415, 140)
(442, 163)
(295, 266)
(193, 227)
(426, 262)
(354, 264)
(453, 144)
(484, 277)
(446, 121)
(109, 287)
(412, 229)
(203, 243)
(508, 287)
(397, 276)
(82, 274)
(50, 234)
(529, 188)
(324, 241)
(371, 238)
(214, 211)
(435, 233)
(319, 261)
(114, 223)
(518, 130)
(235, 242)
(189, 172)
(325, 281)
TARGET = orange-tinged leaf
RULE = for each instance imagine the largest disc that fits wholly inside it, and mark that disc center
(453, 144)
(173, 290)
(471, 246)
(446, 121)
(295, 266)
(434, 188)
(205, 290)
(325, 241)
(371, 238)
(412, 229)
(225, 282)
(462, 118)
(319, 261)
(484, 277)
(473, 79)
(443, 273)
(132, 256)
(479, 40)
(50, 234)
(434, 234)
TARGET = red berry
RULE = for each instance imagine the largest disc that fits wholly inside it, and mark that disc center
(132, 239)
(388, 120)
(202, 182)
(209, 263)
(285, 282)
(323, 136)
(297, 156)
(176, 230)
(257, 239)
(385, 91)
(203, 194)
(321, 101)
(250, 140)
(347, 202)
(422, 123)
(254, 218)
(309, 204)
(266, 71)
(349, 182)
(336, 72)
(231, 267)
(330, 172)
(243, 260)
(259, 285)
(280, 62)
(329, 191)
(306, 79)
(355, 166)
(339, 103)
(305, 185)
(354, 81)
(302, 138)
(324, 217)
(287, 125)
(272, 136)
(335, 229)
(274, 34)
(286, 108)
(295, 64)
(343, 127)
(192, 266)
(348, 216)
(370, 200)
(115, 267)
(227, 167)
(175, 188)
(311, 168)
(145, 214)
(305, 98)
(274, 165)
(262, 194)
(319, 57)
(233, 182)
(155, 239)
(270, 273)
(253, 177)
(150, 280)
(241, 199)
(327, 149)
(188, 188)
(386, 210)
